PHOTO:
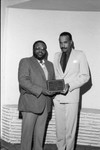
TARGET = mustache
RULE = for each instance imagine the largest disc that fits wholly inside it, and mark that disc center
(39, 58)
(63, 47)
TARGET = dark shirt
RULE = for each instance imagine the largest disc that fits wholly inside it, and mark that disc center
(64, 59)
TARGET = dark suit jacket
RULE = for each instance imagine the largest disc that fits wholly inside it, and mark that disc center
(32, 80)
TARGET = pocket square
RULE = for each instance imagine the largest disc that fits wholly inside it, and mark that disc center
(75, 61)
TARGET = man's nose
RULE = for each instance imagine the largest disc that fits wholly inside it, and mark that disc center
(40, 50)
(63, 45)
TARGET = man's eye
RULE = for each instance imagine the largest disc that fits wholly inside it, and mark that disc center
(40, 48)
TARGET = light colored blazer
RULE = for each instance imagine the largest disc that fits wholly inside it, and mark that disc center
(76, 75)
(32, 80)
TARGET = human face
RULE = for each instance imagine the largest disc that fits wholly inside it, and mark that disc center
(40, 51)
(65, 43)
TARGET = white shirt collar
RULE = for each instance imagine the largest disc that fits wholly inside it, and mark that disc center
(43, 62)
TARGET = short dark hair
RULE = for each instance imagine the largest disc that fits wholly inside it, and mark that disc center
(66, 34)
(39, 41)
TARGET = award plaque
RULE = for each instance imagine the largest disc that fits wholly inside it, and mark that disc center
(55, 85)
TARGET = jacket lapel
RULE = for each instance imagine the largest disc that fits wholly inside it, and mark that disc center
(48, 69)
(59, 69)
(69, 63)
(37, 66)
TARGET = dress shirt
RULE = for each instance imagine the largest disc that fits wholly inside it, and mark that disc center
(64, 59)
(42, 64)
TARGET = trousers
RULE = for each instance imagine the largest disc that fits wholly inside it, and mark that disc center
(66, 121)
(33, 129)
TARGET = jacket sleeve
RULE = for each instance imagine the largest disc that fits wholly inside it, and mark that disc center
(83, 75)
(25, 80)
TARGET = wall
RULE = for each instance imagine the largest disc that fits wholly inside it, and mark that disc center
(4, 5)
(4, 15)
(23, 27)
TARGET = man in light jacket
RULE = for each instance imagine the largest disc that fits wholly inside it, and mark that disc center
(70, 65)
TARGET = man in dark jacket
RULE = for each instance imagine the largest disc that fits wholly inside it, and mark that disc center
(35, 100)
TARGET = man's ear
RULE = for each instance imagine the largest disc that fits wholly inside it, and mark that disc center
(72, 44)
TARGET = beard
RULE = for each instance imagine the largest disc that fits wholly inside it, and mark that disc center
(39, 57)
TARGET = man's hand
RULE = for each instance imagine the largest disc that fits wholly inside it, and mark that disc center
(66, 89)
(47, 93)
